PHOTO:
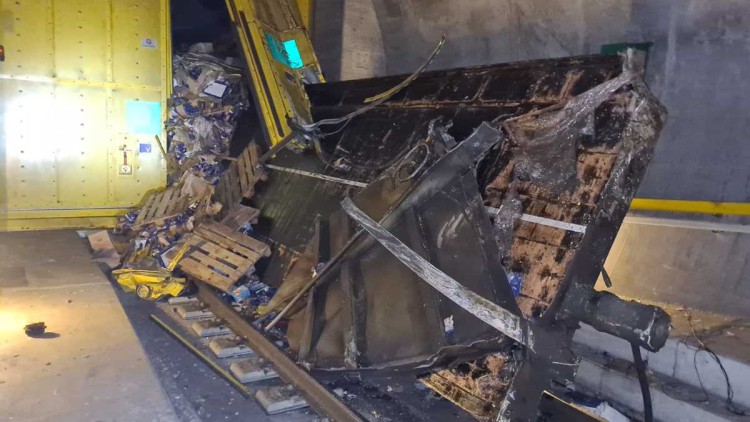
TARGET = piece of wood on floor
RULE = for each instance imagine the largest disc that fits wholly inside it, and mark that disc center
(181, 299)
(240, 215)
(280, 399)
(229, 347)
(192, 310)
(252, 370)
(240, 238)
(104, 249)
(210, 328)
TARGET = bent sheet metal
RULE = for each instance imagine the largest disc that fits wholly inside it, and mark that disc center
(559, 206)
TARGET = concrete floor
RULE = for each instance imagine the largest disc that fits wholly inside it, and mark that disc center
(90, 366)
(102, 359)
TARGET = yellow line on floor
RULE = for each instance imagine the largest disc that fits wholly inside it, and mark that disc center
(699, 207)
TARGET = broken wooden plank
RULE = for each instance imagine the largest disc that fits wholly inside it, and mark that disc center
(199, 271)
(244, 240)
(258, 172)
(147, 206)
(238, 217)
(164, 203)
(222, 241)
(244, 179)
(226, 255)
(249, 166)
(215, 265)
(234, 184)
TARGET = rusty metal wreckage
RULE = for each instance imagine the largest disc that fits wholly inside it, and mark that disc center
(414, 273)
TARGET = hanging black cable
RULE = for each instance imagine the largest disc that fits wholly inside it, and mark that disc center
(729, 402)
(640, 367)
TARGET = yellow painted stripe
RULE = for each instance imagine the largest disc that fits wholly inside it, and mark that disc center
(57, 223)
(30, 214)
(698, 207)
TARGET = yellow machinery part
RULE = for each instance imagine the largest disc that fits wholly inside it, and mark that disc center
(280, 58)
(176, 259)
(156, 283)
(84, 89)
(153, 284)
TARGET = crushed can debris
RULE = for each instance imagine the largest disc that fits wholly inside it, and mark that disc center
(208, 96)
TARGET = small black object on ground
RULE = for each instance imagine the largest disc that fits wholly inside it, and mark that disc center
(35, 330)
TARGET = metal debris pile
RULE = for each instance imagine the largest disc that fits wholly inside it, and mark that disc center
(548, 164)
(481, 384)
(347, 302)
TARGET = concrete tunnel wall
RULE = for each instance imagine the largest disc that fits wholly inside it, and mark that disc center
(696, 67)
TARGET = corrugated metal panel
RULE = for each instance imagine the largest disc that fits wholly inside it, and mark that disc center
(84, 87)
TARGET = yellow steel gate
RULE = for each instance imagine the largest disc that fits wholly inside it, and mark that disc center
(83, 87)
(280, 58)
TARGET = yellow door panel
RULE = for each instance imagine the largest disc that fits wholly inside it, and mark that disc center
(280, 57)
(83, 92)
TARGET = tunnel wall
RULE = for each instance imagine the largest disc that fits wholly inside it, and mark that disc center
(696, 65)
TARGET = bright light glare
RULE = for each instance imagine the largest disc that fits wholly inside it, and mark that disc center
(43, 126)
(11, 321)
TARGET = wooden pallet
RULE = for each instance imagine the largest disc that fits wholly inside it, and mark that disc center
(162, 205)
(239, 180)
(220, 256)
(239, 216)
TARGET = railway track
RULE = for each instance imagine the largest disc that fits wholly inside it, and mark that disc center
(250, 361)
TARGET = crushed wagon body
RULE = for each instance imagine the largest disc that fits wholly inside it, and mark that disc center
(511, 180)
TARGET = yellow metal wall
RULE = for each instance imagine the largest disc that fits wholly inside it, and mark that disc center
(70, 68)
(307, 12)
